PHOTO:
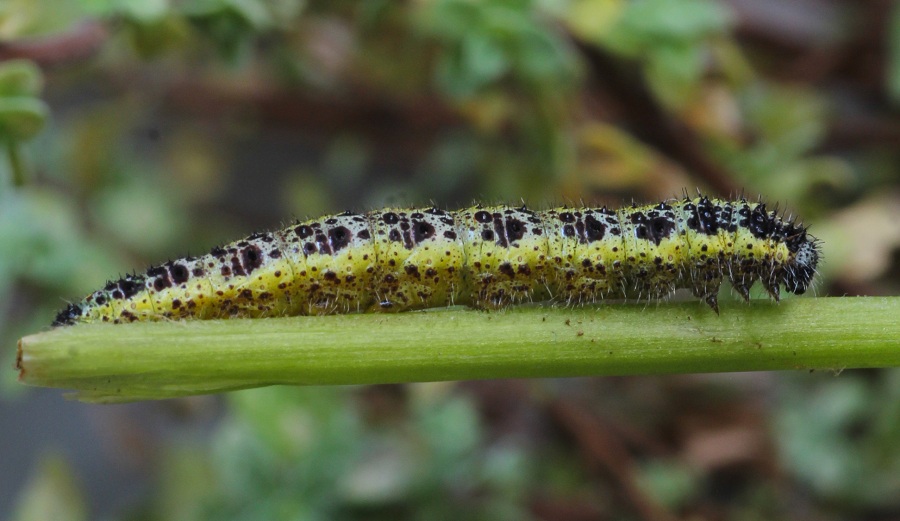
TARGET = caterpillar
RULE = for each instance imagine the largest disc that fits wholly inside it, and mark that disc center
(486, 257)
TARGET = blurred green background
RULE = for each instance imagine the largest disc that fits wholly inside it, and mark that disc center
(137, 131)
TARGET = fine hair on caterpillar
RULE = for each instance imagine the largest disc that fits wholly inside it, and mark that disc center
(486, 257)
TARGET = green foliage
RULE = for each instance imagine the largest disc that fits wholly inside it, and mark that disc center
(670, 38)
(789, 124)
(648, 24)
(840, 437)
(671, 483)
(505, 49)
(22, 113)
(301, 453)
(42, 245)
(230, 24)
(486, 42)
(20, 18)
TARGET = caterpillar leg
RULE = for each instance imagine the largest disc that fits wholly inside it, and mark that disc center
(773, 289)
(711, 297)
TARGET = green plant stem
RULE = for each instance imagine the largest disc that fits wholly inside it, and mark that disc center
(16, 164)
(106, 362)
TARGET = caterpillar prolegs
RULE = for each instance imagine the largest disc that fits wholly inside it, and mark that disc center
(486, 257)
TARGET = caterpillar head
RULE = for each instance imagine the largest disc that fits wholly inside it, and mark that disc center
(802, 268)
(68, 316)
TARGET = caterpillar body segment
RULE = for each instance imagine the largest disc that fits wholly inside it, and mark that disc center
(399, 259)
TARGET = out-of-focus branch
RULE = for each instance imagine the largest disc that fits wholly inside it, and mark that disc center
(82, 42)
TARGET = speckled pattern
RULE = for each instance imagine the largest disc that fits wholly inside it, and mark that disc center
(398, 259)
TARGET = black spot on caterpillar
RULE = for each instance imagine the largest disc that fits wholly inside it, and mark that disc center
(485, 257)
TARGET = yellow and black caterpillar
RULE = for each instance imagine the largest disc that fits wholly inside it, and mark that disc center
(485, 257)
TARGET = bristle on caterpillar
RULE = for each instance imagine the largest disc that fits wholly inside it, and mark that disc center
(484, 257)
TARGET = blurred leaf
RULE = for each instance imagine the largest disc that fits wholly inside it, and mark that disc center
(294, 422)
(482, 59)
(463, 70)
(20, 78)
(144, 11)
(22, 118)
(651, 25)
(21, 19)
(152, 36)
(451, 428)
(670, 483)
(490, 41)
(790, 120)
(834, 438)
(384, 475)
(52, 493)
(229, 23)
(254, 13)
(674, 72)
(787, 124)
(591, 19)
(543, 56)
(43, 243)
(282, 453)
(140, 214)
(677, 19)
(813, 448)
(508, 469)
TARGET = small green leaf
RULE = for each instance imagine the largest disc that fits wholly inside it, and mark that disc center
(591, 19)
(20, 78)
(671, 483)
(677, 19)
(253, 13)
(145, 11)
(21, 118)
(540, 56)
(673, 72)
(647, 25)
(227, 28)
(482, 58)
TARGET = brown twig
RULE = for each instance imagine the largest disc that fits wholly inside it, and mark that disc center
(78, 44)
